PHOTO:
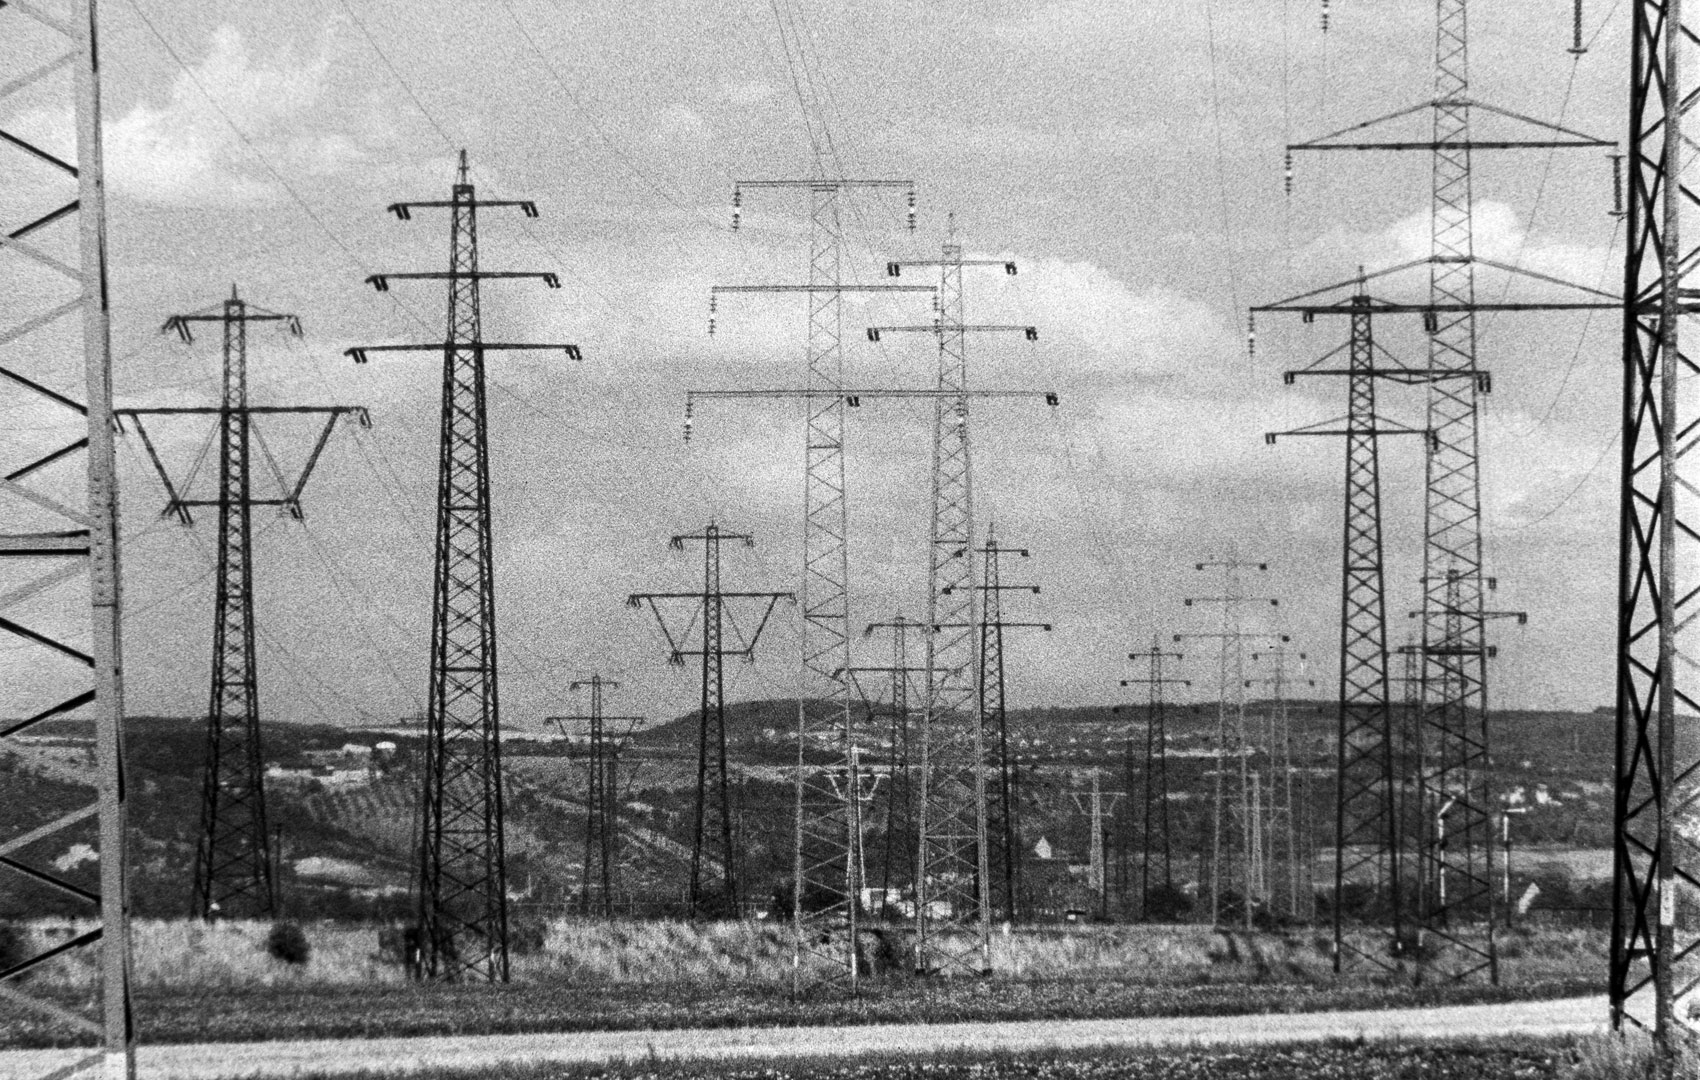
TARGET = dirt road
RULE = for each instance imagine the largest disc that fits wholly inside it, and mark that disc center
(278, 1059)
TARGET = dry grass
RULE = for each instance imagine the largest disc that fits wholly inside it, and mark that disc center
(1626, 1056)
(187, 954)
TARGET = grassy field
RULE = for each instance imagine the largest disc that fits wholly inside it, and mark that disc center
(1524, 1059)
(199, 982)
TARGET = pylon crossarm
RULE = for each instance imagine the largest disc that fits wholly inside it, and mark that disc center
(822, 287)
(895, 269)
(381, 282)
(1031, 333)
(1574, 138)
(358, 352)
(1326, 427)
(404, 210)
(1405, 376)
(1358, 302)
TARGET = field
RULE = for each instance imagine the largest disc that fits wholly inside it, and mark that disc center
(1525, 1059)
(197, 982)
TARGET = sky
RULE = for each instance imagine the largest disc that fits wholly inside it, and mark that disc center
(1128, 158)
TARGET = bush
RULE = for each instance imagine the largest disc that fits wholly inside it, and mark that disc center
(288, 942)
(526, 936)
(14, 945)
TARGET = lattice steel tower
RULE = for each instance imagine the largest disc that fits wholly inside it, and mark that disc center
(233, 857)
(826, 886)
(710, 617)
(1154, 825)
(900, 838)
(62, 526)
(1655, 944)
(952, 911)
(601, 872)
(463, 911)
(1455, 648)
(1007, 889)
(1367, 833)
(1234, 821)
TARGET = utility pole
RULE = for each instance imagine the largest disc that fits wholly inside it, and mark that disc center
(1454, 642)
(1231, 730)
(1651, 950)
(233, 857)
(601, 800)
(1366, 820)
(709, 615)
(66, 533)
(899, 815)
(1099, 805)
(954, 866)
(1006, 854)
(463, 907)
(1154, 818)
(1281, 827)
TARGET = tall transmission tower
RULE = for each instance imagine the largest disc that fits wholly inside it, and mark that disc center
(463, 908)
(1154, 828)
(1007, 890)
(1454, 640)
(601, 875)
(899, 846)
(825, 884)
(1654, 950)
(1098, 806)
(1292, 890)
(1234, 824)
(710, 618)
(953, 927)
(62, 526)
(233, 857)
(826, 890)
(1367, 850)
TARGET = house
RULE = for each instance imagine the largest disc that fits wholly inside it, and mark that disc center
(1042, 849)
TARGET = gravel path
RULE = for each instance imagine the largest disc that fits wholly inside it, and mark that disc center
(216, 1061)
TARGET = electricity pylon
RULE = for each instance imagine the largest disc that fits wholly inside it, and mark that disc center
(826, 891)
(233, 857)
(1280, 824)
(1454, 641)
(899, 813)
(1007, 889)
(1232, 798)
(1154, 831)
(1367, 848)
(62, 526)
(1654, 950)
(710, 617)
(601, 800)
(462, 875)
(1097, 805)
(952, 905)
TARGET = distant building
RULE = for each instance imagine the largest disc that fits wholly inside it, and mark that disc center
(1042, 849)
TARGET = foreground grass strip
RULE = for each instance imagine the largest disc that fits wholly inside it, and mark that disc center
(280, 1013)
(1524, 1059)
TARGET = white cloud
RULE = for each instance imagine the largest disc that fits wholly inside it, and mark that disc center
(185, 151)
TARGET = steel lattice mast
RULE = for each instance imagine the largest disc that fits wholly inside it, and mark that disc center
(1455, 650)
(233, 857)
(1234, 807)
(601, 801)
(952, 908)
(1279, 823)
(826, 886)
(62, 528)
(1367, 833)
(1007, 891)
(1654, 944)
(463, 910)
(1154, 830)
(900, 817)
(710, 617)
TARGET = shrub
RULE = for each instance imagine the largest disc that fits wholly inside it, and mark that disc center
(526, 936)
(288, 942)
(14, 945)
